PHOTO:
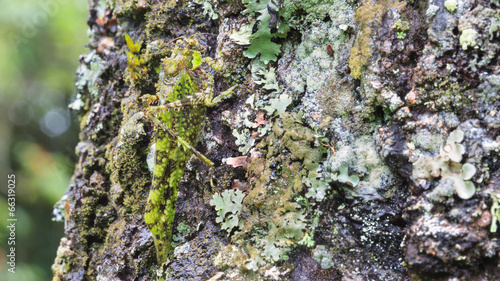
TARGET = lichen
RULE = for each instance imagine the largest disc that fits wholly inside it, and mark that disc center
(323, 256)
(289, 13)
(89, 73)
(314, 10)
(468, 38)
(269, 79)
(368, 14)
(431, 11)
(312, 59)
(208, 8)
(228, 206)
(451, 5)
(271, 101)
(273, 219)
(359, 165)
(454, 176)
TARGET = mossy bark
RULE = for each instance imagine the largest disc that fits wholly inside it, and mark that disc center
(361, 90)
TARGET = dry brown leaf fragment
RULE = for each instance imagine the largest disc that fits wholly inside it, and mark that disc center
(254, 135)
(259, 120)
(243, 186)
(239, 161)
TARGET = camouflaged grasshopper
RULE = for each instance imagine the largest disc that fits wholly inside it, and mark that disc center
(184, 91)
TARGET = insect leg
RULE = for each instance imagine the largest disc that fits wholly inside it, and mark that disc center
(149, 99)
(198, 99)
(181, 141)
(209, 101)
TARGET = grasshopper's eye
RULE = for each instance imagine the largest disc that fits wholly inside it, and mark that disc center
(192, 42)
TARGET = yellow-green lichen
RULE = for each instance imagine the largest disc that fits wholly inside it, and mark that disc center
(468, 38)
(451, 5)
(367, 14)
(274, 220)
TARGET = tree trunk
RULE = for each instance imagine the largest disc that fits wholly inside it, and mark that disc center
(362, 142)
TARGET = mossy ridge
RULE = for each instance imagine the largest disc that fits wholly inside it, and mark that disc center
(270, 214)
(368, 14)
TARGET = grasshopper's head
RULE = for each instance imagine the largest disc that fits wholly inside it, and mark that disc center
(186, 55)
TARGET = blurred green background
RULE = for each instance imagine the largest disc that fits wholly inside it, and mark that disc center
(41, 41)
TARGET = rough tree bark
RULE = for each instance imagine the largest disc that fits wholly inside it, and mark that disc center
(367, 150)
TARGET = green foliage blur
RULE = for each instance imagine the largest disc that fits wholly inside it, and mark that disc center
(41, 41)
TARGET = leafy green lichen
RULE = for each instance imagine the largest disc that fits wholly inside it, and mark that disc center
(274, 222)
(323, 256)
(207, 8)
(89, 74)
(260, 41)
(269, 79)
(228, 207)
(318, 185)
(279, 104)
(344, 177)
(360, 169)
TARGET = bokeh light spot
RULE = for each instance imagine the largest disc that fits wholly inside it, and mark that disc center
(55, 122)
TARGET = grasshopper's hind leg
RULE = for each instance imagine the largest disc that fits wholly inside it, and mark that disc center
(199, 99)
(181, 141)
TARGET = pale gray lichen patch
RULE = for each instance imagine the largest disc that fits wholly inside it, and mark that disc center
(427, 141)
(338, 10)
(312, 61)
(323, 256)
(89, 72)
(451, 5)
(132, 130)
(447, 167)
(362, 159)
